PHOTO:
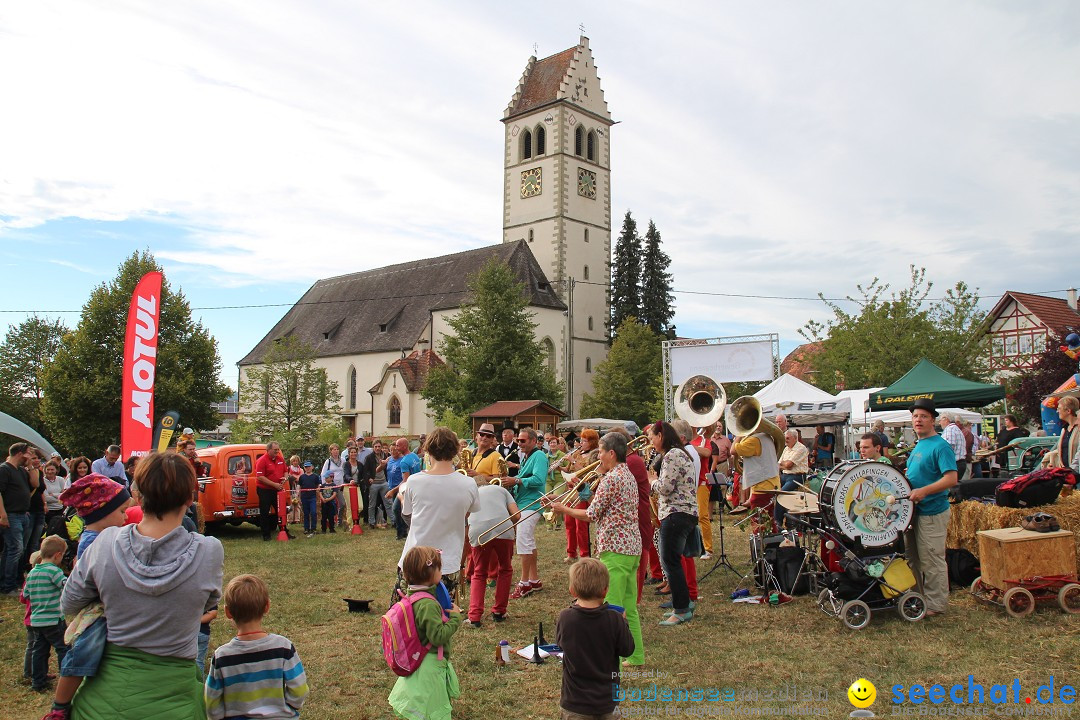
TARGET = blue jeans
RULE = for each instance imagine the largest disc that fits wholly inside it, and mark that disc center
(84, 655)
(44, 638)
(676, 530)
(399, 522)
(310, 504)
(16, 537)
(200, 655)
(33, 538)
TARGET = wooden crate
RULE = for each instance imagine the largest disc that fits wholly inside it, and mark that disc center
(1015, 553)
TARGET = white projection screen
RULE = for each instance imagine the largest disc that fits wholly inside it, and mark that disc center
(732, 362)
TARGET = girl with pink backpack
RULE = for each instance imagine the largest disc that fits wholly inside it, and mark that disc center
(411, 629)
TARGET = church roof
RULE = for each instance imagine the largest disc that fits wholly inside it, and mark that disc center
(413, 369)
(387, 309)
(542, 82)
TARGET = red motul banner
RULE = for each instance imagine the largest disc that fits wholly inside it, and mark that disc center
(140, 364)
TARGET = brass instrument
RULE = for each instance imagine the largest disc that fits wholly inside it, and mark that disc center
(567, 478)
(465, 458)
(744, 418)
(639, 444)
(558, 462)
(700, 401)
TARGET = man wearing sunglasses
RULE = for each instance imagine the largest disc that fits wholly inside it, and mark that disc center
(485, 462)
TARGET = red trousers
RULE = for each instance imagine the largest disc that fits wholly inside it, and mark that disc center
(494, 554)
(690, 569)
(577, 534)
(650, 560)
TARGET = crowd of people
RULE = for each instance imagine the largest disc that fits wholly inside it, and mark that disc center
(125, 542)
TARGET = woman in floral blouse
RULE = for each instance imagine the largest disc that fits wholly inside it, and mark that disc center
(618, 539)
(676, 488)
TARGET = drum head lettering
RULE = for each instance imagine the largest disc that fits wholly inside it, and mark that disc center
(854, 499)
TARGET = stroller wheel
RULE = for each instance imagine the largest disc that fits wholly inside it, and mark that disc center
(855, 614)
(911, 606)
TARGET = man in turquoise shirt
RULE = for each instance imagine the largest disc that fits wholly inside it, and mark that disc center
(931, 470)
(527, 488)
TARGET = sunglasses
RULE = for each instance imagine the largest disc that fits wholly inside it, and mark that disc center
(485, 433)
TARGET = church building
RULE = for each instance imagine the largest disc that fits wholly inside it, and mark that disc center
(377, 339)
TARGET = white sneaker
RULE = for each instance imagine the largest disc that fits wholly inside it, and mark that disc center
(707, 556)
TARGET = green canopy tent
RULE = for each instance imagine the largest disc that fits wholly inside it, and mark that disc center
(927, 380)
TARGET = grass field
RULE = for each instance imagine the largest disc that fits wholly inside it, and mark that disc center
(745, 648)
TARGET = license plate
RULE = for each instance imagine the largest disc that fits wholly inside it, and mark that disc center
(251, 512)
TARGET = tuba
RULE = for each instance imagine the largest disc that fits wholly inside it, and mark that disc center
(700, 401)
(744, 418)
(464, 459)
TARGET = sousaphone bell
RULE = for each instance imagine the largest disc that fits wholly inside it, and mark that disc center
(700, 401)
(744, 418)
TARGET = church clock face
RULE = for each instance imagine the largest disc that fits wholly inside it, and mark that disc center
(530, 183)
(586, 183)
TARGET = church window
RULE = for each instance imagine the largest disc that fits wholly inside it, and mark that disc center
(586, 234)
(590, 322)
(526, 145)
(590, 146)
(530, 235)
(588, 365)
(540, 140)
(586, 272)
(395, 412)
(579, 141)
(352, 388)
(549, 353)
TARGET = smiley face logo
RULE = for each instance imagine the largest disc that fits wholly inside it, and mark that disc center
(862, 694)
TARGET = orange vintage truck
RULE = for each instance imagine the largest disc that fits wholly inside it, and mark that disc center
(227, 492)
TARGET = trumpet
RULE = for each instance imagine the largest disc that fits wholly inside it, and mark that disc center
(557, 462)
(491, 533)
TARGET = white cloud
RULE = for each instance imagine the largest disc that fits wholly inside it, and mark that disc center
(781, 149)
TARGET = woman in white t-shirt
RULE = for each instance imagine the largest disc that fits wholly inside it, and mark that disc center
(437, 501)
(54, 485)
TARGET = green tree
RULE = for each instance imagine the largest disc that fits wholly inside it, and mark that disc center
(493, 353)
(889, 334)
(656, 296)
(26, 351)
(1050, 369)
(81, 403)
(286, 398)
(628, 384)
(625, 275)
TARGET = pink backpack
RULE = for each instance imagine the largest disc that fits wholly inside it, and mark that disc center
(400, 640)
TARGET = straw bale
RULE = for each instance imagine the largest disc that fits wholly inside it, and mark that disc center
(968, 517)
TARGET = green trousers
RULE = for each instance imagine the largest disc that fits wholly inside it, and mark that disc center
(622, 591)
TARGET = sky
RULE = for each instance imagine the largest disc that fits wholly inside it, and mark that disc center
(783, 149)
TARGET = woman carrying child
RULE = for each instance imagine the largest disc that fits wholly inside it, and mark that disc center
(155, 580)
(426, 694)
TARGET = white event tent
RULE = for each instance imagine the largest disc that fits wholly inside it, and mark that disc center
(802, 403)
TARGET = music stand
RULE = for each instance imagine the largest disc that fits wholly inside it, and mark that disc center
(725, 484)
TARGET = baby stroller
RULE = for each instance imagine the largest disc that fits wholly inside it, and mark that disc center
(878, 582)
(68, 525)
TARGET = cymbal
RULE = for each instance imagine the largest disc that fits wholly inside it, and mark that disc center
(799, 501)
(781, 492)
(804, 511)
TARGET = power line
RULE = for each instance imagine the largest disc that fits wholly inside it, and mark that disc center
(410, 296)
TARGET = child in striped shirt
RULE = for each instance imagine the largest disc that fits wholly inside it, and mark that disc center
(256, 674)
(43, 586)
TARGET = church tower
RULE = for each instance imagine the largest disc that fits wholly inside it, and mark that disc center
(557, 196)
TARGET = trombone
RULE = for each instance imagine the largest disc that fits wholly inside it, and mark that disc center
(567, 478)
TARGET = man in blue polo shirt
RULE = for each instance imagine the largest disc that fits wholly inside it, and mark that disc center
(401, 465)
(931, 470)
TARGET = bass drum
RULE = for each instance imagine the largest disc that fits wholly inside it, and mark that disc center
(854, 500)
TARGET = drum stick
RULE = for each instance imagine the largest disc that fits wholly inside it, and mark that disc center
(805, 487)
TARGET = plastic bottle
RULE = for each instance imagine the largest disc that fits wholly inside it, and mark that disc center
(502, 653)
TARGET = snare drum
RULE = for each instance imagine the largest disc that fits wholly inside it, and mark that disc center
(854, 501)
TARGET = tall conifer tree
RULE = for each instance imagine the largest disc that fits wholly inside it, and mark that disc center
(626, 275)
(656, 296)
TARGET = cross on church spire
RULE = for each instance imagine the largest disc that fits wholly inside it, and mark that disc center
(581, 27)
(536, 48)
